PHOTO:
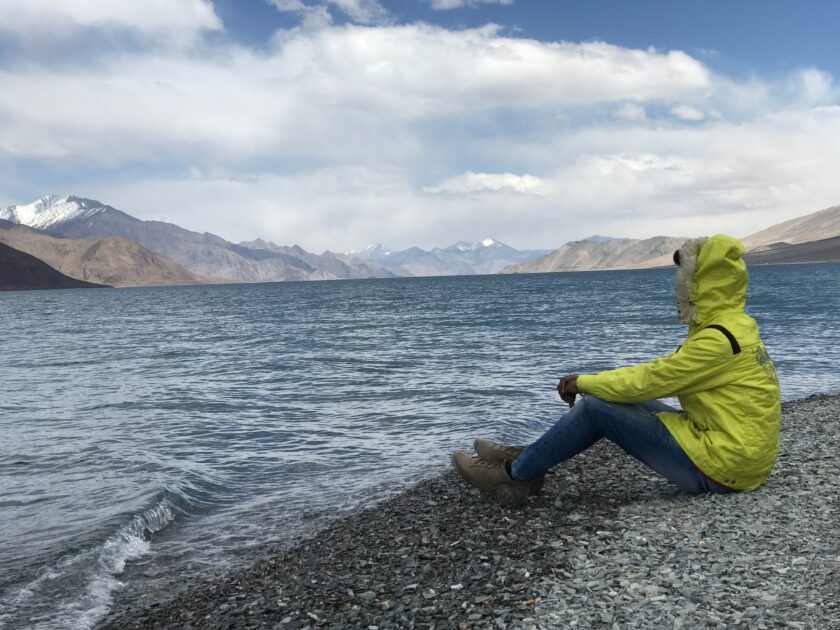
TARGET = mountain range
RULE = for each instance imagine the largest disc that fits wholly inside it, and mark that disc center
(20, 271)
(823, 250)
(612, 254)
(459, 259)
(810, 238)
(111, 260)
(810, 227)
(204, 254)
(207, 257)
(93, 242)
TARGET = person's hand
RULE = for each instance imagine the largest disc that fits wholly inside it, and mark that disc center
(567, 388)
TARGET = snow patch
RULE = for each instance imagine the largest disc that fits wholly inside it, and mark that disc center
(51, 210)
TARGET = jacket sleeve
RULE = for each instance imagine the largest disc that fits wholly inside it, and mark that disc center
(703, 358)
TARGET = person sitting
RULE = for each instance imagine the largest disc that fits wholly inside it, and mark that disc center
(726, 436)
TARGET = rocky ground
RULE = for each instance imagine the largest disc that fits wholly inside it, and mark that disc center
(607, 545)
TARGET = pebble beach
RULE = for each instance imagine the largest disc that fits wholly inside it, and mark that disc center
(608, 544)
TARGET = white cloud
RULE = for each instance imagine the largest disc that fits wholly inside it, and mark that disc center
(329, 136)
(470, 182)
(813, 86)
(688, 112)
(446, 5)
(42, 19)
(634, 181)
(352, 83)
(338, 209)
(360, 11)
(314, 17)
(632, 112)
(363, 11)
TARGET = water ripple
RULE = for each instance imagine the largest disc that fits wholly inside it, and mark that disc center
(149, 432)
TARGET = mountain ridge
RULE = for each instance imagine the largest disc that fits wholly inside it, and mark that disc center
(819, 251)
(206, 255)
(815, 226)
(460, 258)
(111, 261)
(20, 271)
(591, 255)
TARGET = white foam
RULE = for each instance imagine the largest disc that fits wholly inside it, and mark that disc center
(95, 570)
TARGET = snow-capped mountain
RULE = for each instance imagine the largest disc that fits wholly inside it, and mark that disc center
(487, 256)
(460, 258)
(371, 252)
(338, 265)
(203, 254)
(51, 211)
(466, 246)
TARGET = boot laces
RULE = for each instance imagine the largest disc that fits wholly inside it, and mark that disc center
(484, 463)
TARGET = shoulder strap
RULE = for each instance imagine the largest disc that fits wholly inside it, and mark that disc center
(736, 348)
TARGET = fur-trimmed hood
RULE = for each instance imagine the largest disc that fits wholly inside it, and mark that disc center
(712, 278)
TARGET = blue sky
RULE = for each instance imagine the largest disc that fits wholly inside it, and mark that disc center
(338, 123)
(768, 37)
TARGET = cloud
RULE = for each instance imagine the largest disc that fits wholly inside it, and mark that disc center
(470, 182)
(314, 17)
(628, 181)
(688, 112)
(359, 11)
(340, 135)
(446, 5)
(631, 112)
(363, 11)
(813, 86)
(353, 83)
(41, 19)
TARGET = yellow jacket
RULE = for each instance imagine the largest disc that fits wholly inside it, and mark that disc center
(729, 390)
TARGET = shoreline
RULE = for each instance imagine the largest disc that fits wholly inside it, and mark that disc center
(608, 544)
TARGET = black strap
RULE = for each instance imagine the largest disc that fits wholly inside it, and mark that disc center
(732, 341)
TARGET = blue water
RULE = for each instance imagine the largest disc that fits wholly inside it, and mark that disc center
(150, 433)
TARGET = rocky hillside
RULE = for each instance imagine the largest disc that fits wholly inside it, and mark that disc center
(204, 254)
(111, 261)
(332, 265)
(20, 271)
(816, 226)
(590, 255)
(824, 250)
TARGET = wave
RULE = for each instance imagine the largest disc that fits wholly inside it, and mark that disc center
(76, 591)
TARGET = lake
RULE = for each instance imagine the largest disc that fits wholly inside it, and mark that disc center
(151, 433)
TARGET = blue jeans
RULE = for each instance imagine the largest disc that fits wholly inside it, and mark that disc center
(635, 428)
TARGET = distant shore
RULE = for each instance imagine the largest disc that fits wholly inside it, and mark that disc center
(606, 543)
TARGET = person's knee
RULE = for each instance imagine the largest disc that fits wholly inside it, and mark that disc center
(590, 401)
(593, 403)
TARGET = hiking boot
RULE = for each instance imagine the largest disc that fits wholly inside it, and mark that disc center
(491, 451)
(492, 477)
(494, 452)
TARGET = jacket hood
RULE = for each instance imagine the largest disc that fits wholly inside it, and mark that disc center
(712, 278)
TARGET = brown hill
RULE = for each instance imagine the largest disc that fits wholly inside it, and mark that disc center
(625, 253)
(823, 250)
(812, 227)
(20, 271)
(112, 261)
(205, 254)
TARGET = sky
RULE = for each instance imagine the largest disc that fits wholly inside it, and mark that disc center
(335, 124)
